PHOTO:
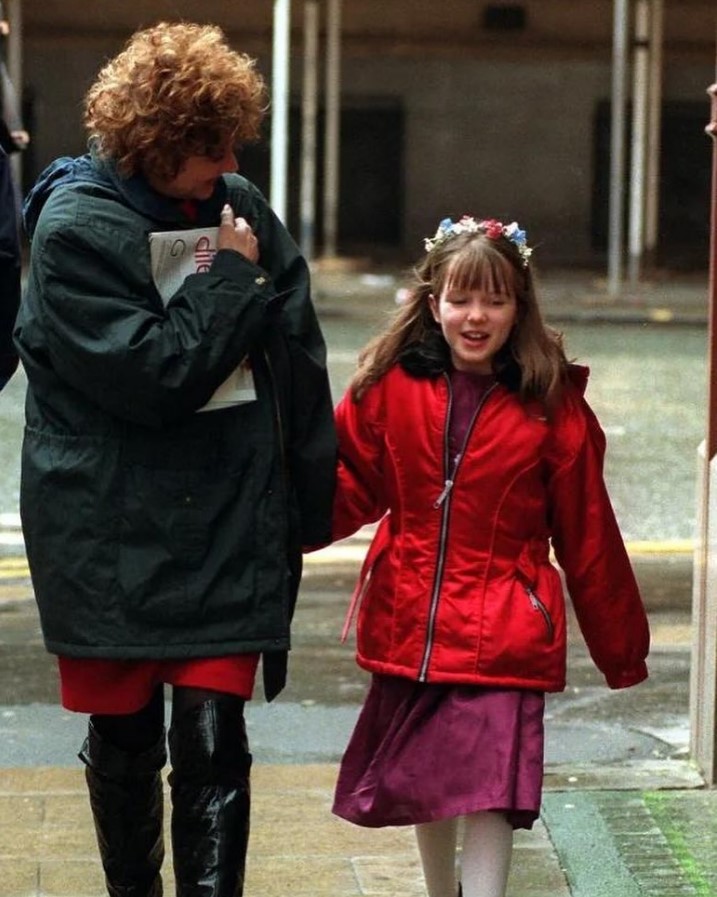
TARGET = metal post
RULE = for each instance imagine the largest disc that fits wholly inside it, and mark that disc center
(280, 107)
(703, 669)
(617, 146)
(14, 47)
(309, 106)
(654, 139)
(331, 135)
(641, 50)
(712, 429)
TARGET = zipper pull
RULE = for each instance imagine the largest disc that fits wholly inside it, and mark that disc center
(449, 483)
(444, 495)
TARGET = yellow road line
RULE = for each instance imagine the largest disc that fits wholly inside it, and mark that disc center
(17, 567)
(666, 546)
(13, 568)
(18, 561)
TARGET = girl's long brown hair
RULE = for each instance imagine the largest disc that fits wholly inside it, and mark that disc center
(533, 351)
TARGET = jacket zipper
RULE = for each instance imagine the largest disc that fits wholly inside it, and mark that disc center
(277, 411)
(543, 610)
(282, 446)
(443, 502)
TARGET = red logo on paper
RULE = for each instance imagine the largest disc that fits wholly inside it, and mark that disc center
(203, 255)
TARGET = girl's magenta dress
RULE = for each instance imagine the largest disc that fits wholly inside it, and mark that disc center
(423, 752)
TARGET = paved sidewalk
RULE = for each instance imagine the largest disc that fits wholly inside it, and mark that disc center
(47, 843)
(589, 843)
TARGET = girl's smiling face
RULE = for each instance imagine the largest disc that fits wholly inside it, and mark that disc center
(476, 324)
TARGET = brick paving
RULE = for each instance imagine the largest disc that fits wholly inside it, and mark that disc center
(636, 843)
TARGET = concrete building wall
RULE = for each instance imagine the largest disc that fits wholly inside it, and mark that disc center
(496, 138)
(505, 138)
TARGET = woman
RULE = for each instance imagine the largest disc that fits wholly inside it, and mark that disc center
(178, 451)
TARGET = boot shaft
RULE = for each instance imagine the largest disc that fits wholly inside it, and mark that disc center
(127, 801)
(210, 788)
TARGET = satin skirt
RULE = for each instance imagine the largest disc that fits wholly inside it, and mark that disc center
(420, 753)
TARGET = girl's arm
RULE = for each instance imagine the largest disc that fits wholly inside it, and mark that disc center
(589, 548)
(360, 488)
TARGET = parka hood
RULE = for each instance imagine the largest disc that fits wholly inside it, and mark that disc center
(578, 375)
(63, 171)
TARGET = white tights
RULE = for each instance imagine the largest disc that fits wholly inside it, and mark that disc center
(485, 856)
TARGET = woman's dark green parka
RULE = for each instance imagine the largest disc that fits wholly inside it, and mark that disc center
(155, 530)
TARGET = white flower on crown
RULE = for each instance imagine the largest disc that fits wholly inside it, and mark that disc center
(492, 228)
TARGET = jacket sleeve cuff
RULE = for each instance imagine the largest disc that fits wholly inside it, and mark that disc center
(236, 267)
(627, 678)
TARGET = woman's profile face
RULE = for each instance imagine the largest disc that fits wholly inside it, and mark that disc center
(198, 176)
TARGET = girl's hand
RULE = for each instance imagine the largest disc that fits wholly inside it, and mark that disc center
(236, 234)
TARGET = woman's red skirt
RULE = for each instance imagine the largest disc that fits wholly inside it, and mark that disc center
(98, 685)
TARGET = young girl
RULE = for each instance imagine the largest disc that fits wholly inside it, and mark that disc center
(465, 432)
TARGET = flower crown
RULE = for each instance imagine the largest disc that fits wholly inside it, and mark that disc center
(490, 227)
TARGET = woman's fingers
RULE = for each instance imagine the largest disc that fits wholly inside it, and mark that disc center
(237, 234)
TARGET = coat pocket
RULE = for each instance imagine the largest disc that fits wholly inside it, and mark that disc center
(541, 608)
(524, 631)
(187, 538)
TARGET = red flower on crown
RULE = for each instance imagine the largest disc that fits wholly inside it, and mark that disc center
(493, 229)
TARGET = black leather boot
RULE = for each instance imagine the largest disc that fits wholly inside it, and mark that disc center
(210, 799)
(127, 805)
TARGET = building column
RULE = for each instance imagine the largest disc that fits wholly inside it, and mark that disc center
(309, 110)
(280, 107)
(332, 126)
(703, 671)
(621, 30)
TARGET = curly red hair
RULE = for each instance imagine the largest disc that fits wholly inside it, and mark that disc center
(176, 90)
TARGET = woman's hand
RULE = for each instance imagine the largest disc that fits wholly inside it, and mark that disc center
(236, 234)
(21, 138)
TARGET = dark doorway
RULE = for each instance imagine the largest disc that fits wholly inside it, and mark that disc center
(685, 177)
(370, 174)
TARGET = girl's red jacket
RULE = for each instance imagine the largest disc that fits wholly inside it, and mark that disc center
(457, 585)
